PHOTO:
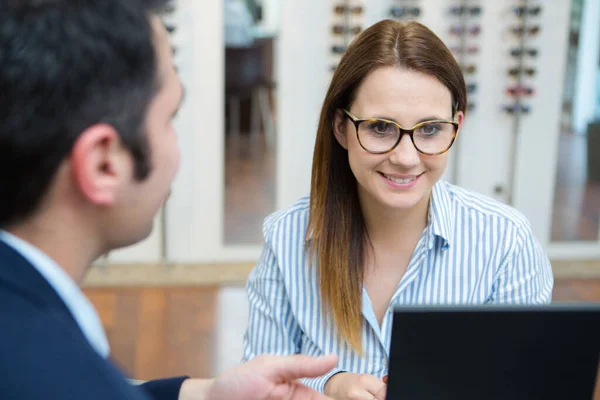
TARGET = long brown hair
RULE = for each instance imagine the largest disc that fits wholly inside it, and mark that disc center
(336, 231)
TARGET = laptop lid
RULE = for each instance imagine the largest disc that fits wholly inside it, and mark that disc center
(494, 352)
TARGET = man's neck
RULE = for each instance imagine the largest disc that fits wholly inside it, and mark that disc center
(71, 248)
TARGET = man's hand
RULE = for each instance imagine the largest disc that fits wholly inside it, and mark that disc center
(350, 386)
(263, 378)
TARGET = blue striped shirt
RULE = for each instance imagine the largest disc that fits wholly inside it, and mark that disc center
(474, 250)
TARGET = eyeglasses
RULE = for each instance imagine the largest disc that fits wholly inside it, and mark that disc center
(469, 69)
(463, 50)
(520, 30)
(379, 136)
(341, 29)
(520, 91)
(399, 12)
(340, 10)
(461, 29)
(522, 10)
(336, 49)
(514, 108)
(517, 52)
(460, 10)
(516, 71)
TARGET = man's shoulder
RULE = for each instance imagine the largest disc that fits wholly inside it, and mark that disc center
(29, 329)
(44, 356)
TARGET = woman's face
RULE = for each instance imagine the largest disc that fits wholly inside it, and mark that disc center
(402, 178)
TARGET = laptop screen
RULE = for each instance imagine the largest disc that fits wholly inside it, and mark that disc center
(494, 352)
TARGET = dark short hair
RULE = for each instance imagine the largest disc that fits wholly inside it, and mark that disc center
(66, 65)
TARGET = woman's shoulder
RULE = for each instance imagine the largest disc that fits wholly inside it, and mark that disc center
(480, 205)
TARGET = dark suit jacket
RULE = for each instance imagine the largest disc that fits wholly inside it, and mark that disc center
(44, 354)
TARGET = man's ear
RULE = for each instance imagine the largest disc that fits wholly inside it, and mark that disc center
(99, 164)
(340, 128)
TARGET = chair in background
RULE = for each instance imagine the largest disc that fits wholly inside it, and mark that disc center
(245, 79)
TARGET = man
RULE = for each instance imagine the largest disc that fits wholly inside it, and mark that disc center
(238, 24)
(87, 156)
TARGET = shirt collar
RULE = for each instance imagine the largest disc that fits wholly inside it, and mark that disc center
(80, 307)
(440, 213)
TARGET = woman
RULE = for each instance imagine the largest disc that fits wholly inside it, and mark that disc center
(379, 228)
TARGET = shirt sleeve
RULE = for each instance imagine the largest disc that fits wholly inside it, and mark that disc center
(526, 275)
(272, 325)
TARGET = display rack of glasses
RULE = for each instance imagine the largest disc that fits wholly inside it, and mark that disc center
(465, 17)
(347, 21)
(463, 33)
(524, 28)
(510, 52)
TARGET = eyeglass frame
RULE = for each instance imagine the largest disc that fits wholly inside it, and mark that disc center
(357, 121)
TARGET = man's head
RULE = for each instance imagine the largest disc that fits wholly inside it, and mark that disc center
(87, 96)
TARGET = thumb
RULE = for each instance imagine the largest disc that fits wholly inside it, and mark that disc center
(299, 366)
(381, 394)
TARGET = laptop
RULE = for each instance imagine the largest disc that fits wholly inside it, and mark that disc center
(490, 352)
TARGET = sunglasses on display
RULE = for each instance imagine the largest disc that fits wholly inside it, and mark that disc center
(517, 108)
(341, 29)
(462, 10)
(518, 52)
(517, 71)
(337, 49)
(469, 69)
(401, 12)
(521, 11)
(520, 91)
(463, 50)
(342, 9)
(461, 29)
(520, 30)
